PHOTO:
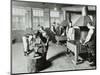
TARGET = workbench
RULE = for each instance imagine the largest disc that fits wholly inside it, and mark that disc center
(74, 47)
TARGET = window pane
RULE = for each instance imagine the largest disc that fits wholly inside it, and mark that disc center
(54, 14)
(18, 18)
(38, 17)
(37, 12)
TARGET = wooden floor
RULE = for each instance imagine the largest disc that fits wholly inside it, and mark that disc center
(56, 55)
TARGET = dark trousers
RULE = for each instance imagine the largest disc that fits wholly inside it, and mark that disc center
(91, 47)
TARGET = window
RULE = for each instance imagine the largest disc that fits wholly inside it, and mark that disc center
(55, 16)
(38, 17)
(38, 12)
(18, 18)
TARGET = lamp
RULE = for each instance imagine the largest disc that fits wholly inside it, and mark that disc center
(55, 8)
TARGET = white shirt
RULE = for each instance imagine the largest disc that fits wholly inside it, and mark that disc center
(70, 33)
(90, 33)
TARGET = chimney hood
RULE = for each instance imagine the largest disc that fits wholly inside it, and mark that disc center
(84, 19)
(67, 20)
(65, 23)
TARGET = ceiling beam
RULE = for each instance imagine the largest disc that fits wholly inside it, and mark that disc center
(78, 8)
